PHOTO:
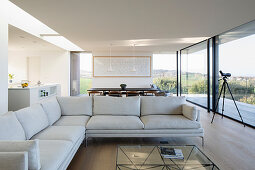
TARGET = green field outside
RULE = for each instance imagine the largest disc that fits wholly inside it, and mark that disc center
(85, 84)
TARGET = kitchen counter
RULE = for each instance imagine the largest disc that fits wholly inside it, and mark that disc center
(19, 97)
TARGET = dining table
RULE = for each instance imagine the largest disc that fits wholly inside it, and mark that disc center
(106, 90)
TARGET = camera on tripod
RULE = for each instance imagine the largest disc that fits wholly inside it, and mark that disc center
(223, 90)
(225, 74)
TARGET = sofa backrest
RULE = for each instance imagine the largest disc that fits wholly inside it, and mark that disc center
(118, 106)
(52, 109)
(160, 105)
(10, 128)
(75, 106)
(33, 119)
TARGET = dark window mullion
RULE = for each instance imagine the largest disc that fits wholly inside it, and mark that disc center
(208, 76)
(215, 72)
(177, 75)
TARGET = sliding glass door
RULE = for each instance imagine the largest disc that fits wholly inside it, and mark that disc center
(164, 72)
(231, 52)
(236, 56)
(194, 73)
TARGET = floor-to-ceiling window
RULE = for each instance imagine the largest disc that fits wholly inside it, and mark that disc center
(164, 72)
(236, 56)
(194, 73)
(85, 72)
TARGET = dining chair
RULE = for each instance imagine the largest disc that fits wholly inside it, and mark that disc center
(94, 93)
(132, 93)
(115, 93)
(150, 93)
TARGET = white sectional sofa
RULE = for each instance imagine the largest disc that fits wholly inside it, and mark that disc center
(46, 136)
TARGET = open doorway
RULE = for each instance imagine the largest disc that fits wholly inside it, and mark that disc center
(85, 72)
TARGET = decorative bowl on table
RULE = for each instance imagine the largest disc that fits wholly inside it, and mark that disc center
(24, 83)
(123, 86)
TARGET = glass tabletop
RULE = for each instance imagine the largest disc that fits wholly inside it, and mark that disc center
(149, 157)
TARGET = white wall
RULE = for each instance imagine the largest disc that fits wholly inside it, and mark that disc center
(46, 66)
(55, 68)
(17, 65)
(34, 69)
(3, 58)
(115, 82)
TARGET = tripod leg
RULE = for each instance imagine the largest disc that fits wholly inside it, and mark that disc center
(224, 93)
(217, 101)
(235, 105)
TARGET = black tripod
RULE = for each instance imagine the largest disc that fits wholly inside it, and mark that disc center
(223, 88)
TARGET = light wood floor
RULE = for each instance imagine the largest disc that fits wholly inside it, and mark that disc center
(227, 143)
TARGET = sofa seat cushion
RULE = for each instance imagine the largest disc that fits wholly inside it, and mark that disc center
(169, 122)
(117, 106)
(33, 119)
(52, 109)
(53, 153)
(72, 121)
(10, 128)
(69, 133)
(75, 106)
(160, 105)
(114, 122)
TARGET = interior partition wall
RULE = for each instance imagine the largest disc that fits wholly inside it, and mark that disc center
(231, 52)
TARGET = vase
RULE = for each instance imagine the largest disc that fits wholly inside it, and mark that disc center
(123, 86)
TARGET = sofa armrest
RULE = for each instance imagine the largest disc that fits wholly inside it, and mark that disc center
(198, 115)
(30, 146)
(14, 160)
(191, 112)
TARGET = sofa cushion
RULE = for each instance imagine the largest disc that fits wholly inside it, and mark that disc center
(10, 128)
(52, 109)
(121, 106)
(160, 105)
(168, 122)
(72, 121)
(53, 153)
(114, 122)
(30, 146)
(69, 133)
(33, 119)
(75, 105)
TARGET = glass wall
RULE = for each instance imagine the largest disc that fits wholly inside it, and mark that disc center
(164, 72)
(236, 56)
(85, 72)
(194, 73)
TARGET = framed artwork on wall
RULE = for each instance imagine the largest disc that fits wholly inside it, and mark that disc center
(122, 66)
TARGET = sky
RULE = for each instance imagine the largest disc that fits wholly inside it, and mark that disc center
(238, 56)
(86, 61)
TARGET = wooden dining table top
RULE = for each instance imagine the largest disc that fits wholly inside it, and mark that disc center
(119, 89)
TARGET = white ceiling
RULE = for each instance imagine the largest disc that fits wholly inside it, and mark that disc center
(20, 40)
(153, 25)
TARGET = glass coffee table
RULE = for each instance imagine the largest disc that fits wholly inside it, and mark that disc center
(149, 157)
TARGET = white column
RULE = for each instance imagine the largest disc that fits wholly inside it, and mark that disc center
(3, 57)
